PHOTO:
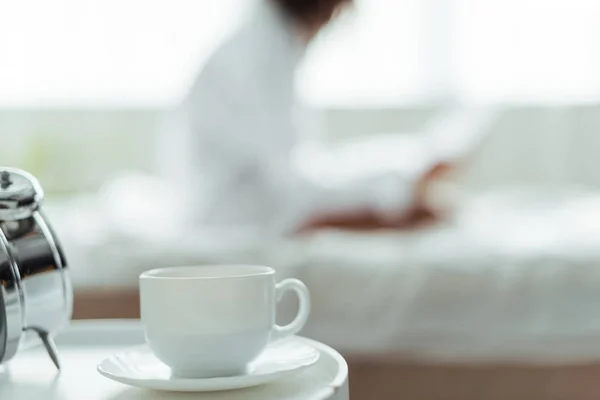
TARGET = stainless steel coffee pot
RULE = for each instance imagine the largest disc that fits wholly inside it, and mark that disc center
(36, 297)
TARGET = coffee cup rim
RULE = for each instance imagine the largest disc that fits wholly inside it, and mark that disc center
(226, 270)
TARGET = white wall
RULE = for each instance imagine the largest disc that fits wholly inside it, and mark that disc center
(550, 146)
(541, 146)
(78, 150)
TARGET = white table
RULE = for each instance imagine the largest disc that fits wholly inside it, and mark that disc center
(31, 375)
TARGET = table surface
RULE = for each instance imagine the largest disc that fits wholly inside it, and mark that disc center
(31, 375)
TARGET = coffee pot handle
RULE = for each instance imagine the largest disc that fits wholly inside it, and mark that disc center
(280, 332)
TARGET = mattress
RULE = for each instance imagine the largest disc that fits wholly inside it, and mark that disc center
(513, 276)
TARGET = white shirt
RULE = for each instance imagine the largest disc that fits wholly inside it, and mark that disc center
(242, 112)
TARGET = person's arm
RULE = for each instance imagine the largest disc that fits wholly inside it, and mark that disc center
(304, 198)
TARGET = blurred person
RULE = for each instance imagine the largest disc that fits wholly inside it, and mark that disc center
(243, 116)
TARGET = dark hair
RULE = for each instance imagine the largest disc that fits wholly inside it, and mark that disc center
(312, 13)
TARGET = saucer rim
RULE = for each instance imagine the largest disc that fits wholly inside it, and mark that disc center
(222, 383)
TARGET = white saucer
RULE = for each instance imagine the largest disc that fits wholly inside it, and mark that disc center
(139, 367)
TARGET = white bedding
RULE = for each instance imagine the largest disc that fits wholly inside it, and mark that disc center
(511, 277)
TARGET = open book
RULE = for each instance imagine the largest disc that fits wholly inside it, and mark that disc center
(450, 137)
(457, 134)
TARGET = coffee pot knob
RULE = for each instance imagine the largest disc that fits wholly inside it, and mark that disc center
(5, 180)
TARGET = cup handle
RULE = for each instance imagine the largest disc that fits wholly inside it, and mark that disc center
(280, 332)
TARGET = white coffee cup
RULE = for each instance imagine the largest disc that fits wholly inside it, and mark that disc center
(213, 321)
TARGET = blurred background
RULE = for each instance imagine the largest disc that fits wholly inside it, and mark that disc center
(88, 91)
(98, 78)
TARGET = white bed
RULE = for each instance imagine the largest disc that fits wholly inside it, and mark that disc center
(514, 276)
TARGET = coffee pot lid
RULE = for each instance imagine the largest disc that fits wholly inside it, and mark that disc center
(20, 194)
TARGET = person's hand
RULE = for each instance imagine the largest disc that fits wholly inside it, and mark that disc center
(423, 187)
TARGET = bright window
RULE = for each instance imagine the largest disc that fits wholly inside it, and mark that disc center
(146, 52)
(106, 52)
(528, 50)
